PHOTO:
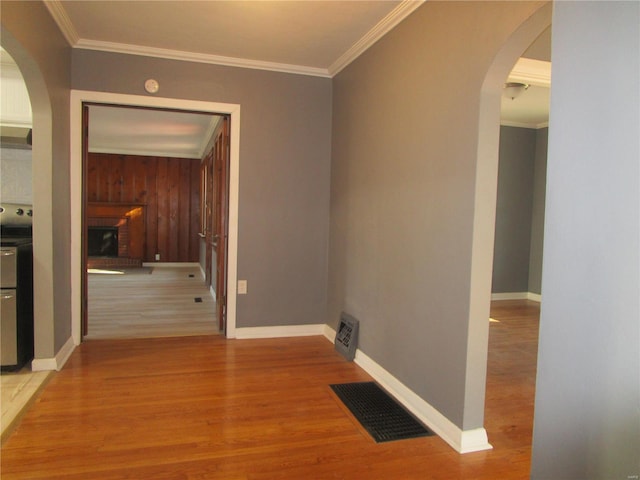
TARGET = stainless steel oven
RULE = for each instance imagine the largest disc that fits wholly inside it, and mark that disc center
(16, 282)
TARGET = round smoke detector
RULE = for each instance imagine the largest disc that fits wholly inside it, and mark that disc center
(151, 85)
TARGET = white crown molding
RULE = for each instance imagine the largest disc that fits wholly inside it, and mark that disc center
(507, 123)
(533, 126)
(206, 138)
(9, 67)
(533, 72)
(199, 58)
(60, 16)
(403, 10)
(393, 18)
(145, 153)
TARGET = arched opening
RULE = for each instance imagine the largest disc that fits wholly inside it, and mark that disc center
(484, 214)
(42, 155)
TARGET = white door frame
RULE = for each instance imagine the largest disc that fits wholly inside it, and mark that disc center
(78, 97)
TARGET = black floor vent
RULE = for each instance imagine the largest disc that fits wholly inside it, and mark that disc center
(383, 417)
(198, 299)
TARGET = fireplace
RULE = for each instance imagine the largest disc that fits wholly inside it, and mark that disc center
(115, 235)
(102, 241)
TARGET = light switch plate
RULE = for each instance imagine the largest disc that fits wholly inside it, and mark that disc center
(242, 287)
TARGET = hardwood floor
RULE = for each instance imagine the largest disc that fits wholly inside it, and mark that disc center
(511, 378)
(205, 407)
(150, 302)
(126, 303)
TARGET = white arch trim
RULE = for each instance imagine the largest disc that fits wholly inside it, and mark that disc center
(78, 97)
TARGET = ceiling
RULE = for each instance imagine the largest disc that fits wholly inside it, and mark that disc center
(306, 37)
(143, 131)
(310, 37)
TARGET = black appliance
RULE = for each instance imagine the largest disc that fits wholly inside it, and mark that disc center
(16, 282)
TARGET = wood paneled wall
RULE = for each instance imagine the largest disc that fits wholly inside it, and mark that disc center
(168, 187)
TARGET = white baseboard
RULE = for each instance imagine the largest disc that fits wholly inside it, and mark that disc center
(57, 362)
(463, 441)
(280, 331)
(517, 296)
(329, 333)
(212, 291)
(171, 264)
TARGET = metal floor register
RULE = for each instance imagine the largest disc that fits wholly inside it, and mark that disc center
(380, 414)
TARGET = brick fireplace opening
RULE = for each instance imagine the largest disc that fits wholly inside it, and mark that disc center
(126, 222)
(102, 241)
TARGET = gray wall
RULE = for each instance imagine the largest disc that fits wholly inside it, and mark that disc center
(403, 193)
(285, 148)
(587, 420)
(400, 210)
(514, 208)
(517, 257)
(34, 41)
(537, 214)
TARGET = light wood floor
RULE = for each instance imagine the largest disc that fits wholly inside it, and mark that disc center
(17, 391)
(150, 302)
(205, 407)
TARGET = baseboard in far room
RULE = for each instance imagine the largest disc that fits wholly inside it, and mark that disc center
(244, 333)
(57, 362)
(535, 297)
(171, 264)
(212, 290)
(463, 441)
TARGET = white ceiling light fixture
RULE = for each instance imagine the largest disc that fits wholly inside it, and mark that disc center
(514, 89)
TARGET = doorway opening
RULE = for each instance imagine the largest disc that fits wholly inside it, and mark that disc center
(517, 261)
(79, 99)
(43, 200)
(36, 191)
(486, 202)
(142, 214)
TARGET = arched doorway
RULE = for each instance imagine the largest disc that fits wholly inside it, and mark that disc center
(42, 154)
(485, 209)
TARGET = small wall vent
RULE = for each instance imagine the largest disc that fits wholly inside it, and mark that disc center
(347, 336)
